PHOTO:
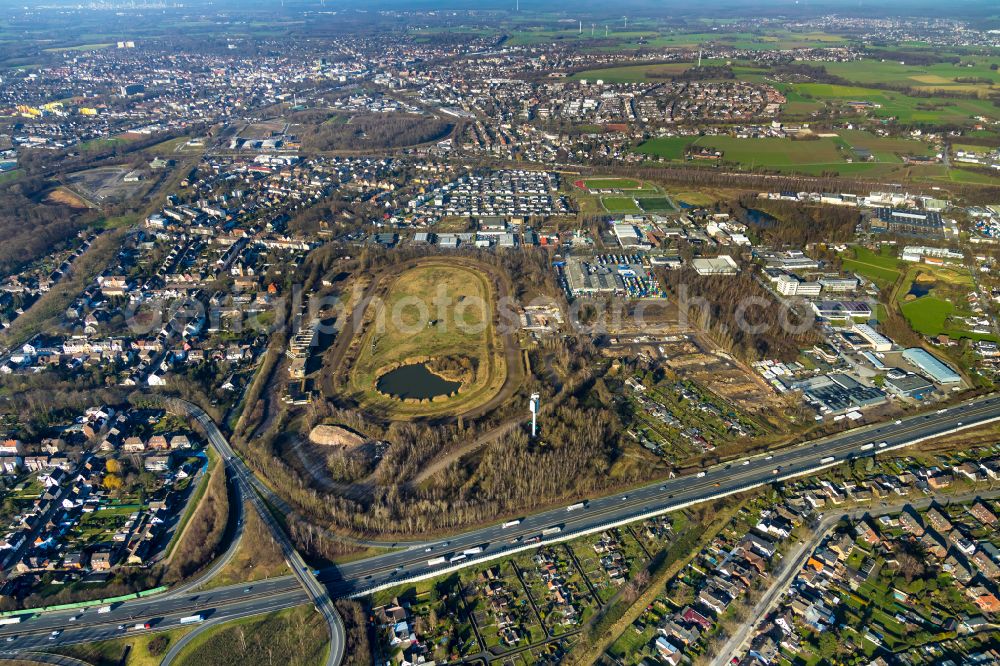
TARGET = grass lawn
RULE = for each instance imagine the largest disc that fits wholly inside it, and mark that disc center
(927, 315)
(293, 637)
(109, 653)
(667, 147)
(257, 557)
(412, 325)
(881, 268)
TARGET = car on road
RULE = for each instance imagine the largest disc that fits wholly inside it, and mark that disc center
(55, 634)
(746, 462)
(624, 497)
(10, 639)
(121, 627)
(701, 474)
(768, 458)
(74, 618)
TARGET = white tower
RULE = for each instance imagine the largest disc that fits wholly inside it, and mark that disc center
(533, 406)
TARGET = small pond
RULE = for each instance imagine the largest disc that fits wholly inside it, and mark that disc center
(415, 381)
(759, 218)
(919, 289)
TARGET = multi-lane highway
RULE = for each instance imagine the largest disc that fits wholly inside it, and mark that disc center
(580, 517)
(245, 480)
(159, 612)
(598, 514)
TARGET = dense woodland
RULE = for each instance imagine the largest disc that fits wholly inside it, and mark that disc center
(798, 225)
(741, 315)
(369, 131)
(30, 229)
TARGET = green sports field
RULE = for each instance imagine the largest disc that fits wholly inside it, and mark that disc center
(620, 205)
(614, 184)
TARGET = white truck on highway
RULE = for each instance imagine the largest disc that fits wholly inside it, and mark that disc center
(574, 507)
(475, 550)
(10, 620)
(868, 447)
(436, 561)
(510, 523)
(828, 459)
(555, 529)
(192, 619)
(104, 609)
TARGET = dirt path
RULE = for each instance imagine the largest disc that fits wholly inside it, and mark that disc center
(444, 461)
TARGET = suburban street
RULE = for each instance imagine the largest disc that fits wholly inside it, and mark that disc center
(794, 560)
(412, 563)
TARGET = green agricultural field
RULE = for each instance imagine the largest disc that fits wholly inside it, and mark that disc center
(774, 152)
(931, 110)
(667, 147)
(885, 149)
(633, 73)
(939, 76)
(411, 325)
(79, 47)
(620, 205)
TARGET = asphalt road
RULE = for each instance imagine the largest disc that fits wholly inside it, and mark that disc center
(363, 576)
(598, 514)
(245, 480)
(159, 612)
